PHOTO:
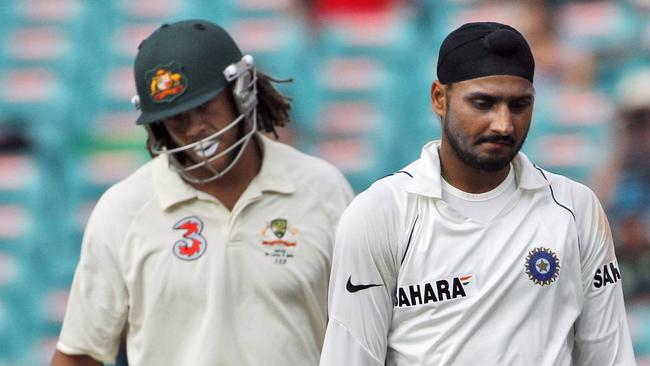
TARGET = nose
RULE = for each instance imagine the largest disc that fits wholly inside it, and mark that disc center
(195, 126)
(503, 123)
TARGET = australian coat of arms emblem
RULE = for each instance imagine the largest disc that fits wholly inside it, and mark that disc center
(280, 239)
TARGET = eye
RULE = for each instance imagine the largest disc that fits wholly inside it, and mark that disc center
(482, 104)
(520, 105)
(203, 107)
(173, 120)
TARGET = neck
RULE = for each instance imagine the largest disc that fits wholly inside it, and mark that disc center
(466, 178)
(229, 188)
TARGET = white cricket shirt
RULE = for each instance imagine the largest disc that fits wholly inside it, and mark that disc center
(200, 285)
(414, 282)
(480, 207)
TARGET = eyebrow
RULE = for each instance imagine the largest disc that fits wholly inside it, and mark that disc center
(481, 95)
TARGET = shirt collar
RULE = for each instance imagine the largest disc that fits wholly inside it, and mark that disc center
(427, 179)
(273, 176)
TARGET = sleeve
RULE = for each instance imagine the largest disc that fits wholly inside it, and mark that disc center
(338, 198)
(362, 284)
(602, 336)
(97, 305)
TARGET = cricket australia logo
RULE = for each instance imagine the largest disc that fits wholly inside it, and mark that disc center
(193, 244)
(166, 82)
(279, 240)
(279, 227)
(542, 266)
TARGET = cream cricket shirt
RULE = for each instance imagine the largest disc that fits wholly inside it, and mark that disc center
(200, 285)
(414, 282)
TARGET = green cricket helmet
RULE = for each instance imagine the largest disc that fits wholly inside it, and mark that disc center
(183, 65)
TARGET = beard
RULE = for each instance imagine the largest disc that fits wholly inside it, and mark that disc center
(470, 155)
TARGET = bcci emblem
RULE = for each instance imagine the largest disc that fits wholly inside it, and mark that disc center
(166, 82)
(542, 266)
(279, 240)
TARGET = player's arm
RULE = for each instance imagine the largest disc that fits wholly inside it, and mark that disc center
(602, 336)
(361, 285)
(97, 305)
(61, 359)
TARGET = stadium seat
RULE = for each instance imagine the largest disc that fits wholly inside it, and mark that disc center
(18, 278)
(249, 9)
(276, 43)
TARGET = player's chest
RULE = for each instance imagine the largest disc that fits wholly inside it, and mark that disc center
(531, 247)
(195, 250)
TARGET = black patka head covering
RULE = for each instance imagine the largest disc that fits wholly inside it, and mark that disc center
(484, 49)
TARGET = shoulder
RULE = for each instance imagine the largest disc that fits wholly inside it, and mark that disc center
(123, 200)
(374, 222)
(590, 219)
(384, 202)
(307, 171)
(304, 165)
(579, 198)
(391, 190)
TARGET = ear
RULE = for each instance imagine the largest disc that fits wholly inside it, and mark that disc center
(439, 98)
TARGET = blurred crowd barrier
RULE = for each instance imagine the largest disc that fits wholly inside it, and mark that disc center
(362, 72)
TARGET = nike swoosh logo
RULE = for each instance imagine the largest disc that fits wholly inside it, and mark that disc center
(354, 288)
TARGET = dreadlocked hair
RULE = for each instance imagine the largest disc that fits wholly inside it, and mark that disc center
(156, 134)
(272, 106)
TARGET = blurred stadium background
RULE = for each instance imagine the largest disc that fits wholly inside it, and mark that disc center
(362, 73)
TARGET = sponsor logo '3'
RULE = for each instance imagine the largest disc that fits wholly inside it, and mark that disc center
(193, 244)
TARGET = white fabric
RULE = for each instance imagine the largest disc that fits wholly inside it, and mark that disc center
(248, 297)
(480, 207)
(455, 292)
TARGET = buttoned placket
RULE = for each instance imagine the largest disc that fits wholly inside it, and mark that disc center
(251, 195)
